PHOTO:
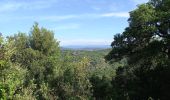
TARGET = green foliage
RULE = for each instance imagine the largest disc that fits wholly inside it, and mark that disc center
(11, 75)
(33, 67)
(145, 45)
(43, 40)
(28, 64)
(73, 82)
(102, 79)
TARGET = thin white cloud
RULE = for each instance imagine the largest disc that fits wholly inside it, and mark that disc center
(139, 1)
(58, 18)
(107, 6)
(96, 8)
(68, 26)
(117, 14)
(55, 18)
(85, 16)
(33, 5)
(9, 7)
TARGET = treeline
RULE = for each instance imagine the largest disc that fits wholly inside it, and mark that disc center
(145, 44)
(32, 67)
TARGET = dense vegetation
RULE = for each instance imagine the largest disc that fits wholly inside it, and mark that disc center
(136, 68)
(34, 67)
(145, 44)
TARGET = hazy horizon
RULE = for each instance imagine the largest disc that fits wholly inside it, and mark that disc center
(74, 22)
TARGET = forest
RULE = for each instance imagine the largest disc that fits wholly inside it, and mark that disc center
(137, 67)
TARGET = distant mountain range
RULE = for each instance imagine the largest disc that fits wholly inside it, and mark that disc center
(85, 47)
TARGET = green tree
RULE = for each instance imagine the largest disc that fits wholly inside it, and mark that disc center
(11, 74)
(39, 53)
(43, 40)
(73, 82)
(145, 45)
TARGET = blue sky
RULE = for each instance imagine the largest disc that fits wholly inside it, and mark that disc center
(74, 22)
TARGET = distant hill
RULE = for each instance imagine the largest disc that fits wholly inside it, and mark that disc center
(85, 47)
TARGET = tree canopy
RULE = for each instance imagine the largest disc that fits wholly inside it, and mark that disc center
(145, 44)
(33, 66)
